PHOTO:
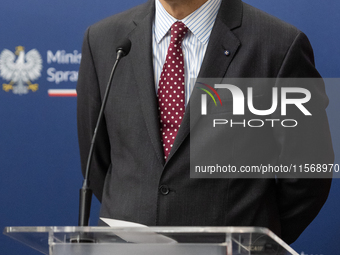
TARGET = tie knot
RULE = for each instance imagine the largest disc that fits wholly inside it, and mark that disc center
(178, 31)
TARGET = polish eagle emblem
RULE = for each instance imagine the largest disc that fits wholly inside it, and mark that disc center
(20, 69)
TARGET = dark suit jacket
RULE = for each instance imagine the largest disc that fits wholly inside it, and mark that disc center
(128, 167)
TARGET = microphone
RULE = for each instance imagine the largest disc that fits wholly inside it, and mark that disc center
(124, 48)
(85, 195)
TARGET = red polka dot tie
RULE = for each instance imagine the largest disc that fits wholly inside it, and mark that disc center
(171, 95)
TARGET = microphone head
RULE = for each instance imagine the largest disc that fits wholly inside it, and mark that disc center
(124, 46)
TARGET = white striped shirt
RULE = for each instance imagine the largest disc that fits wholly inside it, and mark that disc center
(194, 45)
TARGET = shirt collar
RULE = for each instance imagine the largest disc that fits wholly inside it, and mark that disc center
(200, 22)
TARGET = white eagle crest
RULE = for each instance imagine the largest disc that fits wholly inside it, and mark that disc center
(24, 69)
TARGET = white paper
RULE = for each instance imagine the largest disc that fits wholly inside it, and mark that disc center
(136, 237)
(121, 223)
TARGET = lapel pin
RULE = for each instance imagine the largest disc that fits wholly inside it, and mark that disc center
(227, 53)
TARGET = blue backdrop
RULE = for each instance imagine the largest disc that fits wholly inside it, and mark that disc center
(40, 169)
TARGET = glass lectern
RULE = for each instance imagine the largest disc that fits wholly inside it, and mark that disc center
(151, 240)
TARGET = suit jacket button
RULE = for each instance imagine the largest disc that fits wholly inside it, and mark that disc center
(164, 190)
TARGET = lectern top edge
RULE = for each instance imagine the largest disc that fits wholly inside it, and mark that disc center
(245, 238)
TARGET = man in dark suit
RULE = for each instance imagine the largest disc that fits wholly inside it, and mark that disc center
(129, 174)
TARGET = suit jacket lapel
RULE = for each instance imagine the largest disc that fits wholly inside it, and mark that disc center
(216, 62)
(141, 49)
